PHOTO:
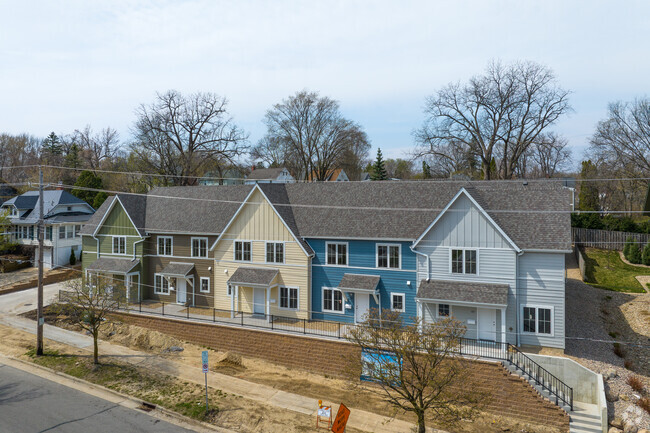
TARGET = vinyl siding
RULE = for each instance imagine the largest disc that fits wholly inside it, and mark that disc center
(257, 222)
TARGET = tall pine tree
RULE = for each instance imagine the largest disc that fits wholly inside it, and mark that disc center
(588, 198)
(378, 168)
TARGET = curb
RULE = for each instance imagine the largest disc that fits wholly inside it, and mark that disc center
(159, 411)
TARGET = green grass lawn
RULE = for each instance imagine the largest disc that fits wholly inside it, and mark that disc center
(606, 270)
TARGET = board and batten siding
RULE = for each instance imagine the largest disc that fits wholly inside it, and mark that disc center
(258, 222)
(542, 283)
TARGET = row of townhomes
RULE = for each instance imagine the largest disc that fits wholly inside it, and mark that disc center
(63, 215)
(490, 257)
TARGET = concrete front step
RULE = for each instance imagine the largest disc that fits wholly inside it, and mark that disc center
(585, 418)
(544, 393)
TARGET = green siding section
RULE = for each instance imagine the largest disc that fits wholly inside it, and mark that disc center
(106, 245)
(88, 244)
(118, 223)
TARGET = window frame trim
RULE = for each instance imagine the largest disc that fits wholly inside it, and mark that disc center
(377, 245)
(155, 286)
(234, 250)
(158, 238)
(403, 295)
(207, 247)
(113, 237)
(289, 288)
(266, 243)
(438, 316)
(323, 300)
(537, 307)
(201, 279)
(347, 253)
(463, 249)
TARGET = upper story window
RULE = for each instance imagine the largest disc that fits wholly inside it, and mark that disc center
(199, 247)
(464, 261)
(69, 230)
(14, 211)
(77, 231)
(274, 252)
(119, 244)
(165, 245)
(48, 233)
(337, 253)
(243, 251)
(61, 232)
(389, 256)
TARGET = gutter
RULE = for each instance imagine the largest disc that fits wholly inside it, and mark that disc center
(419, 312)
(134, 244)
(517, 318)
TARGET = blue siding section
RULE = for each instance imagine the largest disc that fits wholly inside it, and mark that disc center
(362, 260)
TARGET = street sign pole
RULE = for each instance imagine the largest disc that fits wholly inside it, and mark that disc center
(204, 362)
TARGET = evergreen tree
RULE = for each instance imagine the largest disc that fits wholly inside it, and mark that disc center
(52, 145)
(378, 168)
(426, 170)
(645, 257)
(629, 244)
(99, 199)
(72, 158)
(588, 198)
(635, 254)
(88, 179)
(73, 259)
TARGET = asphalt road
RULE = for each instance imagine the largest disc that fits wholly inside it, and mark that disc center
(31, 404)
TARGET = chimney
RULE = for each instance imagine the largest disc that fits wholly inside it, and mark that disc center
(59, 186)
(253, 167)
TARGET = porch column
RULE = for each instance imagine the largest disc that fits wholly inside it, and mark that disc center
(503, 325)
(236, 297)
(231, 289)
(268, 303)
(420, 314)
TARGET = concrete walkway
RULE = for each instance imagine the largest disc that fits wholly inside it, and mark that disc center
(16, 303)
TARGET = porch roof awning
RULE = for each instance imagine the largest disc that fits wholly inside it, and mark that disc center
(113, 265)
(253, 276)
(463, 292)
(357, 283)
(177, 269)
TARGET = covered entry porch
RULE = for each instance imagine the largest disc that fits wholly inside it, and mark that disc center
(116, 274)
(180, 281)
(250, 290)
(480, 307)
(363, 288)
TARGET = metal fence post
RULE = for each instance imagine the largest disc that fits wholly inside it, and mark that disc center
(163, 308)
(214, 315)
(271, 322)
(304, 326)
(339, 331)
(140, 302)
(188, 311)
(242, 318)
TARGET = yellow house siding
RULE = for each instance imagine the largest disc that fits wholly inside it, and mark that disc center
(257, 222)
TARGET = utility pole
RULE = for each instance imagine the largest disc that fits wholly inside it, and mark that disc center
(41, 235)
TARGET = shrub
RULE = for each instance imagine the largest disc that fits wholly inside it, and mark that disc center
(635, 383)
(628, 364)
(645, 256)
(635, 254)
(618, 350)
(73, 259)
(629, 243)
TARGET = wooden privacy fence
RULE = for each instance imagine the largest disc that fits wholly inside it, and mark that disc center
(605, 239)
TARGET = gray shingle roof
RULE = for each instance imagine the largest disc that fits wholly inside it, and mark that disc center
(135, 206)
(112, 264)
(255, 276)
(29, 204)
(359, 282)
(265, 173)
(177, 269)
(483, 293)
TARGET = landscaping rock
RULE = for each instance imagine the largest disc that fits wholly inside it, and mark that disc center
(614, 430)
(617, 423)
(611, 397)
(175, 349)
(610, 374)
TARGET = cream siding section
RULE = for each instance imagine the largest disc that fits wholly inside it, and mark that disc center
(258, 222)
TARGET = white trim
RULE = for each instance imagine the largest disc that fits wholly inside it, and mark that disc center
(261, 263)
(155, 286)
(113, 245)
(347, 253)
(537, 307)
(284, 250)
(377, 245)
(289, 288)
(370, 269)
(234, 250)
(480, 208)
(201, 279)
(158, 238)
(108, 211)
(459, 303)
(192, 247)
(403, 295)
(108, 236)
(357, 239)
(322, 305)
(438, 316)
(179, 257)
(539, 250)
(463, 249)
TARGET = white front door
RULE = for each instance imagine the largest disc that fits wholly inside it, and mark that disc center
(361, 306)
(181, 291)
(258, 301)
(487, 324)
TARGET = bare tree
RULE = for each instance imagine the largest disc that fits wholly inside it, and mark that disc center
(416, 366)
(89, 304)
(95, 148)
(548, 156)
(308, 134)
(17, 151)
(179, 134)
(497, 114)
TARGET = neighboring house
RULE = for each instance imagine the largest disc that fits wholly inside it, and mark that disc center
(269, 175)
(490, 256)
(365, 177)
(63, 214)
(6, 191)
(334, 175)
(228, 177)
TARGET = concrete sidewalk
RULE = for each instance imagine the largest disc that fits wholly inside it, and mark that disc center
(359, 419)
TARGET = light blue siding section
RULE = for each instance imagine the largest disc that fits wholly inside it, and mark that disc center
(362, 260)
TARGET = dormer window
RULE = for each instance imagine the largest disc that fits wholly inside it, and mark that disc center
(69, 208)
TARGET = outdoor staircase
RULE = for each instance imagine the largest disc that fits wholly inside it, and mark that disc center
(542, 391)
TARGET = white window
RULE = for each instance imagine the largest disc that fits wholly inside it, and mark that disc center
(444, 310)
(31, 232)
(389, 256)
(537, 320)
(332, 300)
(77, 231)
(61, 232)
(243, 251)
(205, 285)
(464, 261)
(165, 245)
(337, 253)
(119, 244)
(199, 247)
(397, 302)
(274, 252)
(48, 233)
(69, 232)
(161, 285)
(289, 298)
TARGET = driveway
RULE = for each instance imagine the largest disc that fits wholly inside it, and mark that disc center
(16, 276)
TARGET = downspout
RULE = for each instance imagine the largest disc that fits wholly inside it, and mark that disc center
(518, 319)
(134, 244)
(418, 306)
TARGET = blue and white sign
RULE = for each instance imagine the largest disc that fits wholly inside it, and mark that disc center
(374, 361)
(204, 360)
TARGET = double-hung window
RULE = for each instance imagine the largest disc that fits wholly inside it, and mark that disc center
(119, 244)
(204, 285)
(61, 232)
(48, 233)
(77, 231)
(464, 261)
(289, 298)
(161, 285)
(70, 232)
(274, 252)
(165, 245)
(388, 256)
(332, 300)
(537, 320)
(200, 247)
(444, 310)
(337, 254)
(397, 301)
(243, 251)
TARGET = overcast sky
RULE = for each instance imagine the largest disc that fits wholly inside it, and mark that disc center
(67, 64)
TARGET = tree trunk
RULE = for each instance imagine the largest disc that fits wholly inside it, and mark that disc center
(95, 349)
(421, 426)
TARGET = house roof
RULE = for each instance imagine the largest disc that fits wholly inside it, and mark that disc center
(359, 283)
(29, 203)
(265, 173)
(535, 216)
(459, 291)
(253, 276)
(135, 206)
(112, 264)
(330, 176)
(174, 269)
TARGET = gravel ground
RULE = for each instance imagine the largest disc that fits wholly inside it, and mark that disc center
(591, 314)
